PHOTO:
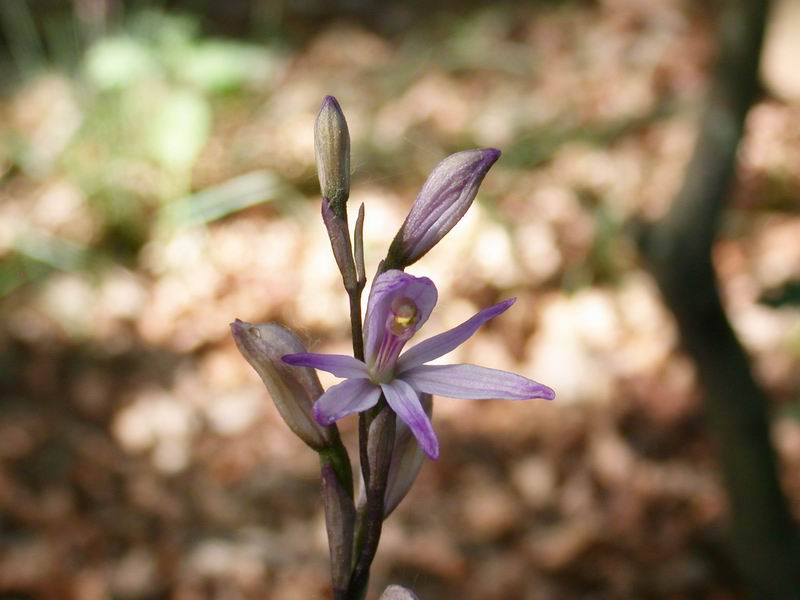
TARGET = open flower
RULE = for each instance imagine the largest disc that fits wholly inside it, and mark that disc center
(399, 304)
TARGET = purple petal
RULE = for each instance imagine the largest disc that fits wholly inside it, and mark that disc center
(405, 402)
(444, 199)
(338, 364)
(352, 395)
(441, 344)
(471, 382)
(386, 287)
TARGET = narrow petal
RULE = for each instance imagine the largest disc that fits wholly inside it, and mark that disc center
(337, 364)
(441, 344)
(348, 397)
(405, 402)
(471, 382)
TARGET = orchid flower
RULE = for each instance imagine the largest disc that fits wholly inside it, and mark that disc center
(399, 305)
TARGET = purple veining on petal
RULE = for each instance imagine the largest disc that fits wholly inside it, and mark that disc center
(471, 382)
(444, 199)
(441, 344)
(337, 364)
(348, 397)
(405, 402)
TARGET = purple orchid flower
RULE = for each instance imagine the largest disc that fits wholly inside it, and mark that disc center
(399, 304)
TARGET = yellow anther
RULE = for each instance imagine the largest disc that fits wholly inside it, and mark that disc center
(404, 314)
(403, 321)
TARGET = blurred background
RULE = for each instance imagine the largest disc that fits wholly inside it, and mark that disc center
(157, 181)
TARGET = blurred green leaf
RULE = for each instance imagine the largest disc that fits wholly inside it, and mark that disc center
(223, 66)
(35, 254)
(179, 130)
(118, 62)
(225, 199)
(16, 270)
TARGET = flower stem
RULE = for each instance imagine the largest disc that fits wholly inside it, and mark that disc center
(379, 423)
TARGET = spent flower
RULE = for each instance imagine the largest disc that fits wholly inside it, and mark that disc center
(294, 391)
(399, 305)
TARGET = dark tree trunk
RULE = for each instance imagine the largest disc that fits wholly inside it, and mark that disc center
(678, 250)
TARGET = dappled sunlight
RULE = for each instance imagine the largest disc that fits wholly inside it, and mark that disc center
(159, 183)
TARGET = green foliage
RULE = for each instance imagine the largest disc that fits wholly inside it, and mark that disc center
(118, 62)
(179, 130)
(141, 110)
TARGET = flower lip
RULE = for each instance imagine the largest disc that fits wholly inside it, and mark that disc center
(399, 304)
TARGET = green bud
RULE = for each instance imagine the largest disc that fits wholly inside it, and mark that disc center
(332, 149)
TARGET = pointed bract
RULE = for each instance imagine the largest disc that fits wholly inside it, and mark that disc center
(340, 516)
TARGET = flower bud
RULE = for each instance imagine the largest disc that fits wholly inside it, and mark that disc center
(340, 517)
(332, 149)
(444, 199)
(294, 390)
(396, 592)
(407, 459)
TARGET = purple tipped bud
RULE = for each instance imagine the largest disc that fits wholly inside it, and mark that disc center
(294, 390)
(332, 148)
(396, 592)
(444, 199)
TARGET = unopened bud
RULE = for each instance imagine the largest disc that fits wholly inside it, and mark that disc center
(396, 592)
(444, 199)
(332, 149)
(406, 462)
(407, 459)
(340, 516)
(293, 389)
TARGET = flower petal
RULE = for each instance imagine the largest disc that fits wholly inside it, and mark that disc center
(337, 364)
(352, 395)
(471, 382)
(441, 344)
(386, 287)
(405, 402)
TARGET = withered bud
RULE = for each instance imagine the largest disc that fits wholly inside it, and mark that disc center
(294, 390)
